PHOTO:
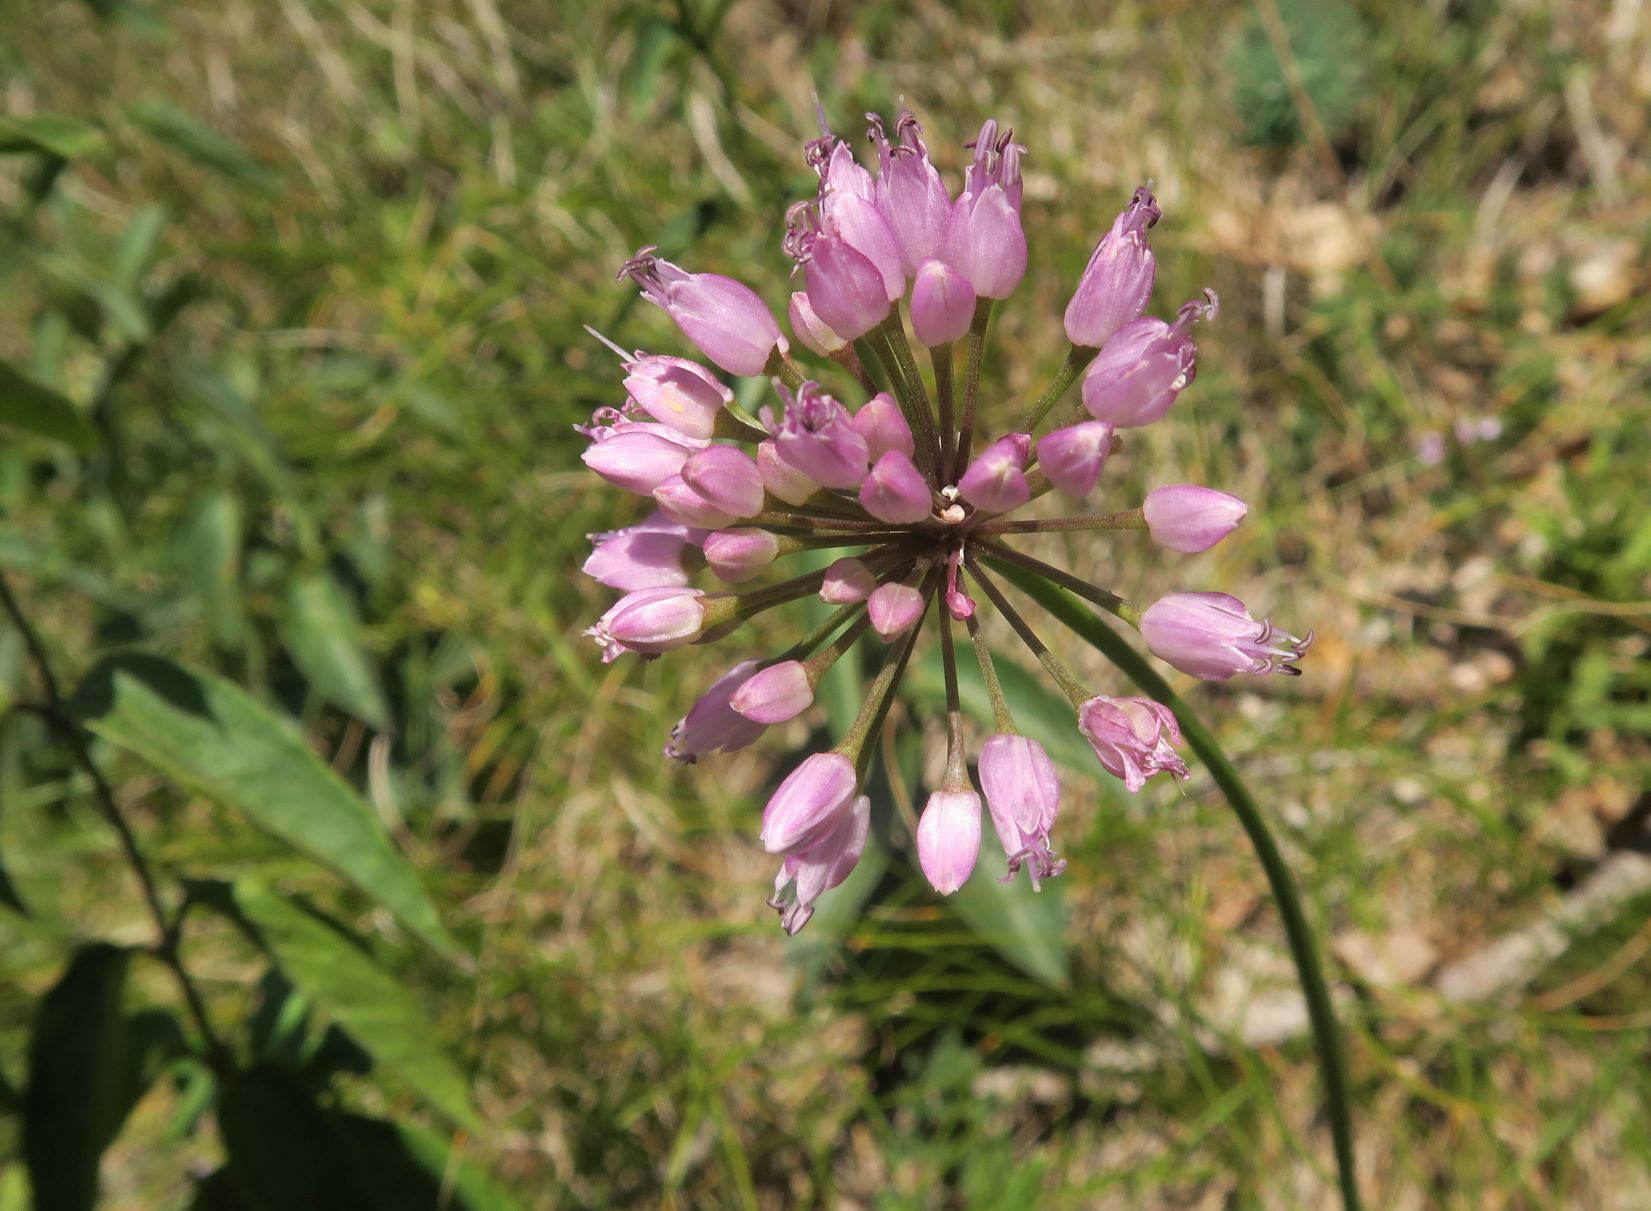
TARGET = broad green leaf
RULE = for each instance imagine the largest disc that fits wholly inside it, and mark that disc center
(80, 1079)
(214, 738)
(201, 143)
(209, 547)
(323, 634)
(283, 1154)
(414, 1169)
(344, 982)
(1028, 928)
(36, 408)
(64, 138)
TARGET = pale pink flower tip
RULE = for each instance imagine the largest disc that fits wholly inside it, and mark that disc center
(1134, 738)
(1117, 282)
(895, 491)
(649, 621)
(948, 839)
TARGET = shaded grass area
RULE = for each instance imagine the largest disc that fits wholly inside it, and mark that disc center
(380, 363)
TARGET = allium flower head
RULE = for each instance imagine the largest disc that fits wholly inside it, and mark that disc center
(886, 470)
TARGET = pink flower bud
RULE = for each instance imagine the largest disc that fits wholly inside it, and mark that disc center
(996, 480)
(637, 456)
(845, 289)
(1023, 794)
(777, 693)
(780, 478)
(676, 392)
(646, 556)
(1072, 458)
(909, 191)
(1187, 518)
(808, 802)
(810, 329)
(859, 224)
(1141, 370)
(846, 581)
(817, 437)
(727, 478)
(884, 427)
(895, 491)
(984, 241)
(1212, 636)
(736, 555)
(649, 621)
(822, 865)
(1135, 738)
(710, 725)
(1117, 282)
(678, 501)
(893, 608)
(948, 839)
(725, 319)
(942, 304)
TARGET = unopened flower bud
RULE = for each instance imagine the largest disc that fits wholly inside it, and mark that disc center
(780, 478)
(996, 480)
(942, 304)
(1072, 458)
(679, 501)
(649, 621)
(948, 839)
(1188, 518)
(777, 693)
(738, 555)
(895, 491)
(884, 427)
(727, 478)
(893, 608)
(847, 581)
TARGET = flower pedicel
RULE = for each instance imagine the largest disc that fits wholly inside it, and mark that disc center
(921, 520)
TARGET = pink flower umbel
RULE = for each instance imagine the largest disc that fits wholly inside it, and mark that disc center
(874, 468)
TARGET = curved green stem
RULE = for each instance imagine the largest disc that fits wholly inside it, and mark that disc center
(1326, 1036)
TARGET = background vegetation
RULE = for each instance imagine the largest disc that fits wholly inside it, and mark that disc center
(291, 297)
